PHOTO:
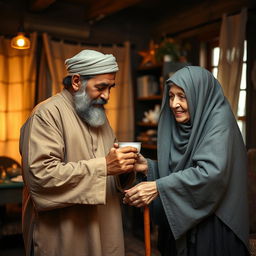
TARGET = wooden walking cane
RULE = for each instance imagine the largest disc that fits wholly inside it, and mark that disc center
(146, 216)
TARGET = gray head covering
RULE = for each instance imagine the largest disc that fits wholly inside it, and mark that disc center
(202, 166)
(89, 62)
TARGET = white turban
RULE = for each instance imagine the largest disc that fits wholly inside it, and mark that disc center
(89, 62)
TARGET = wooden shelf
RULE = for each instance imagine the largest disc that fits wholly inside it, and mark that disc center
(147, 124)
(153, 97)
(150, 67)
(146, 131)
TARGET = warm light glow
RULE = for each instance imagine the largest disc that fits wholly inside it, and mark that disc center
(20, 42)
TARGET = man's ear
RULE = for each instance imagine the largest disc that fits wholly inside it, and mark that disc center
(76, 82)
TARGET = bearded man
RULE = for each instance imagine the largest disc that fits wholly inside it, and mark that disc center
(72, 167)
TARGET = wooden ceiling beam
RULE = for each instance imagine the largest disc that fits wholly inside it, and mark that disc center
(100, 9)
(203, 13)
(40, 5)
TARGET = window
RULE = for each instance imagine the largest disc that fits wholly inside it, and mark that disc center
(213, 67)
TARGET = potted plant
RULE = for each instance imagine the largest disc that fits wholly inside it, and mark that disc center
(168, 50)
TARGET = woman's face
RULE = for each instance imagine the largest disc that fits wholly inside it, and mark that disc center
(178, 104)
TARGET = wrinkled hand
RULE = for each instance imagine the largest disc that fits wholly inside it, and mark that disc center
(141, 195)
(141, 164)
(121, 160)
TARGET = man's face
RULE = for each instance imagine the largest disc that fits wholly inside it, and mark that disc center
(92, 96)
(99, 86)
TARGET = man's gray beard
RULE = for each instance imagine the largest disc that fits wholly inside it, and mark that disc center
(84, 105)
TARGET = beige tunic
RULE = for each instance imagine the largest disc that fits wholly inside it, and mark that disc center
(70, 205)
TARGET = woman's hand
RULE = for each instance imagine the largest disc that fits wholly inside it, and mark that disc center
(141, 164)
(141, 195)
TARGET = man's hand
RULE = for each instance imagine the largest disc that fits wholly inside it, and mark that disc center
(142, 194)
(121, 160)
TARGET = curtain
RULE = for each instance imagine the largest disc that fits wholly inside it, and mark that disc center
(17, 86)
(232, 36)
(251, 82)
(120, 106)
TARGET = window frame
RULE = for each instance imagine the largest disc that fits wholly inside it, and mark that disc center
(210, 45)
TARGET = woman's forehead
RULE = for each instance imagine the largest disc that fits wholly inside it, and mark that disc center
(175, 88)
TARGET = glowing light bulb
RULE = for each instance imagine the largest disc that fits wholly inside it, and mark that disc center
(20, 42)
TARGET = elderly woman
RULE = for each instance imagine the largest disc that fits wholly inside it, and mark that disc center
(198, 186)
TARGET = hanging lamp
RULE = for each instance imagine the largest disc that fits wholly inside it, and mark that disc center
(20, 42)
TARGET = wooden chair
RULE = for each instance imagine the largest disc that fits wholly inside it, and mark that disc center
(10, 214)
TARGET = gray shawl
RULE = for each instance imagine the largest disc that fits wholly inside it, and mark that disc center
(202, 166)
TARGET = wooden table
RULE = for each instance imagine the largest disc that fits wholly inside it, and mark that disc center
(10, 192)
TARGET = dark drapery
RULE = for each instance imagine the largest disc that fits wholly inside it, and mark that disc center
(251, 87)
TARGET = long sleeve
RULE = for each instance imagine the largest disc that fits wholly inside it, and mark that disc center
(152, 170)
(54, 182)
(191, 194)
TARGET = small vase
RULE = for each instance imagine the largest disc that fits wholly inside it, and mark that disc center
(168, 58)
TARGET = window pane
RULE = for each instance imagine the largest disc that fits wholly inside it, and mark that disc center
(245, 51)
(241, 125)
(241, 103)
(243, 78)
(215, 56)
(215, 72)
